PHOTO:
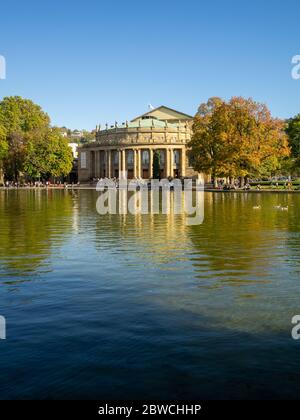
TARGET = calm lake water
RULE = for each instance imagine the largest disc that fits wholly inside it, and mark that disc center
(133, 307)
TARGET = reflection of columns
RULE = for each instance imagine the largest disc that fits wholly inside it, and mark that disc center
(151, 163)
(134, 163)
(109, 169)
(183, 162)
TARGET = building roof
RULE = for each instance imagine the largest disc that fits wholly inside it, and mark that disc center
(164, 113)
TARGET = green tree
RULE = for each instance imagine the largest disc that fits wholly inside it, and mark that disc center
(293, 132)
(19, 117)
(87, 136)
(237, 139)
(156, 165)
(3, 151)
(3, 143)
(211, 147)
(47, 155)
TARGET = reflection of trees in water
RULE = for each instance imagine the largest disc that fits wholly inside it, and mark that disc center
(234, 243)
(31, 222)
(237, 243)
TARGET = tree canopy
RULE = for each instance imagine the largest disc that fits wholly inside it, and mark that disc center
(156, 164)
(237, 138)
(3, 143)
(293, 132)
(28, 144)
(47, 155)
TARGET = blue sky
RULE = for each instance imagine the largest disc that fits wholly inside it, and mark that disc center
(92, 62)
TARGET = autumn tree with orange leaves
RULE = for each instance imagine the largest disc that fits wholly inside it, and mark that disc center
(237, 139)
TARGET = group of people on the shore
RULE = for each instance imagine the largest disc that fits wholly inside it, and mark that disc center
(38, 184)
(236, 185)
(139, 183)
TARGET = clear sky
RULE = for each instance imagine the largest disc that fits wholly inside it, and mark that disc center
(90, 62)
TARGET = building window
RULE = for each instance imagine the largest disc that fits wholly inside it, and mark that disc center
(116, 158)
(83, 160)
(145, 158)
(176, 157)
(130, 157)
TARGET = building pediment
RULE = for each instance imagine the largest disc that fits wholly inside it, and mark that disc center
(164, 113)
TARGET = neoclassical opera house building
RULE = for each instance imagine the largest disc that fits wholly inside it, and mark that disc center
(131, 146)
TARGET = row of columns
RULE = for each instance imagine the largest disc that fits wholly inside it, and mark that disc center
(137, 162)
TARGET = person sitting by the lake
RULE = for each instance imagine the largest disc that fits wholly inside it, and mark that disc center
(247, 187)
(258, 187)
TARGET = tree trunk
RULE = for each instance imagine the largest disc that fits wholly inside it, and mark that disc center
(242, 181)
(1, 177)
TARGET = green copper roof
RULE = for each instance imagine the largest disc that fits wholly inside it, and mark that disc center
(147, 123)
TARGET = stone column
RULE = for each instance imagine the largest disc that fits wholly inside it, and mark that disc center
(150, 163)
(171, 163)
(167, 163)
(123, 160)
(109, 169)
(120, 162)
(134, 163)
(183, 162)
(139, 163)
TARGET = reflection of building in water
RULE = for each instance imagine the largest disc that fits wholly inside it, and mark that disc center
(138, 222)
(131, 146)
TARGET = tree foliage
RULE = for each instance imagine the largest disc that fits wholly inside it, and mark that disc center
(293, 132)
(22, 115)
(3, 144)
(156, 165)
(47, 154)
(28, 145)
(237, 138)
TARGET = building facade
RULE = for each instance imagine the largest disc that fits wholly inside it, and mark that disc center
(131, 147)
